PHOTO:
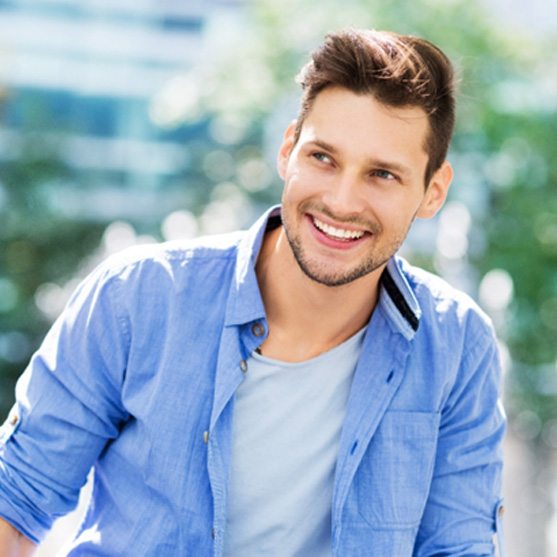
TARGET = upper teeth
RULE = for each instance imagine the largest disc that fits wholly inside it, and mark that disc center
(337, 232)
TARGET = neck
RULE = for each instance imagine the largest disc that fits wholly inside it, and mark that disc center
(305, 317)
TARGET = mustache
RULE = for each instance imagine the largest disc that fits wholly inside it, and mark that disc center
(351, 218)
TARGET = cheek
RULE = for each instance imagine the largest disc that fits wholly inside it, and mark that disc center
(394, 211)
(282, 167)
(304, 181)
(296, 186)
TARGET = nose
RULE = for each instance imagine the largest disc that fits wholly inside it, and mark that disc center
(345, 195)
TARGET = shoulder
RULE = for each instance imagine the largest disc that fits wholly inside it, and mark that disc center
(152, 273)
(444, 306)
(455, 341)
(171, 257)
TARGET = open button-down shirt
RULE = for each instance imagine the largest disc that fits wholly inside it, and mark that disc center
(137, 378)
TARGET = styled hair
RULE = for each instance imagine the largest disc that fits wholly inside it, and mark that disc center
(398, 70)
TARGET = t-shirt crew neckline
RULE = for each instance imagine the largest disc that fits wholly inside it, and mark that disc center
(349, 343)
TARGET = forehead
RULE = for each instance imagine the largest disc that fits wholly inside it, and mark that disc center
(360, 123)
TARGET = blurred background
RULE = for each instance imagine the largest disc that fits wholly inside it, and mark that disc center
(146, 120)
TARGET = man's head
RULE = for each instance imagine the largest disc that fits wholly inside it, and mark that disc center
(398, 70)
(376, 120)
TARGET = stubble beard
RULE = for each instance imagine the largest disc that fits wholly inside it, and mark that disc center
(318, 273)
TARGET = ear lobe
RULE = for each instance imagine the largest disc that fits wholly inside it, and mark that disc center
(436, 192)
(285, 149)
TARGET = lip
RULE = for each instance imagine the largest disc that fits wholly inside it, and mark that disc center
(325, 240)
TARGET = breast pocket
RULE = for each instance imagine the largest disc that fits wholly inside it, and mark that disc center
(393, 479)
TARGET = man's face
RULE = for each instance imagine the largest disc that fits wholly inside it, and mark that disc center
(354, 183)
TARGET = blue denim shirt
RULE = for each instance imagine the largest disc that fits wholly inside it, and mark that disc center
(137, 378)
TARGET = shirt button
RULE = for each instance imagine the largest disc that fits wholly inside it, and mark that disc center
(243, 365)
(213, 533)
(501, 511)
(205, 437)
(13, 419)
(258, 329)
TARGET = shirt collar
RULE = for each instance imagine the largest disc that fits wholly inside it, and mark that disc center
(244, 301)
(245, 304)
(398, 300)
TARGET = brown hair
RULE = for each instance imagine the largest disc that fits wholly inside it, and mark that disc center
(398, 70)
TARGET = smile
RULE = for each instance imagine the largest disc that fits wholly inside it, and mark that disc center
(337, 233)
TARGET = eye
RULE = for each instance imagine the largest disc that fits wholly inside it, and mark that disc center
(321, 157)
(384, 174)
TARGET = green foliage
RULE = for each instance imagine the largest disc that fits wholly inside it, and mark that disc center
(504, 147)
(38, 246)
(506, 129)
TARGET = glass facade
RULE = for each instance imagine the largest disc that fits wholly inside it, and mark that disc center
(84, 77)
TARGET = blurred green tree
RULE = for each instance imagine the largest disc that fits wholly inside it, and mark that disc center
(503, 149)
(39, 246)
(505, 158)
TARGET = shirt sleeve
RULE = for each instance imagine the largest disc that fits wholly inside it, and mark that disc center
(68, 406)
(463, 512)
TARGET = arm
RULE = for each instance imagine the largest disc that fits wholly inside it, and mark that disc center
(67, 407)
(462, 512)
(13, 543)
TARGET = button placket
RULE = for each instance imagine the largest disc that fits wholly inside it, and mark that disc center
(499, 514)
(258, 329)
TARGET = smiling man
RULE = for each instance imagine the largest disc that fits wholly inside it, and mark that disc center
(294, 390)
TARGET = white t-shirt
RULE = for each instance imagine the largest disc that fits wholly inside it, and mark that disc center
(287, 423)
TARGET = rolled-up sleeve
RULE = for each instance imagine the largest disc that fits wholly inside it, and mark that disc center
(464, 505)
(68, 406)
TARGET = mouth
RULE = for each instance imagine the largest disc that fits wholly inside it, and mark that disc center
(337, 233)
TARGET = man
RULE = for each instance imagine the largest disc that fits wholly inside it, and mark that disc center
(297, 389)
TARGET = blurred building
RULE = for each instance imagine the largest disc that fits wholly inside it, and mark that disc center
(93, 79)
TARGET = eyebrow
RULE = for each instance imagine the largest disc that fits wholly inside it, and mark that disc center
(387, 165)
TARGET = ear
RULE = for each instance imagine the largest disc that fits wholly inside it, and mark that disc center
(285, 149)
(436, 192)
